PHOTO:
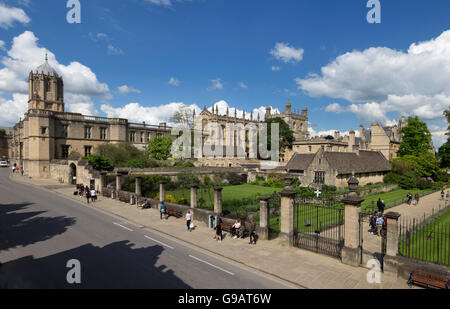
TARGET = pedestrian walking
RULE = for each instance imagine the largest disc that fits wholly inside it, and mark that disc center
(189, 220)
(409, 197)
(252, 232)
(21, 171)
(93, 195)
(442, 195)
(80, 190)
(88, 196)
(162, 210)
(380, 205)
(219, 235)
(416, 199)
(13, 168)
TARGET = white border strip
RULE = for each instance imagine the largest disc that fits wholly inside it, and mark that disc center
(123, 227)
(158, 242)
(226, 271)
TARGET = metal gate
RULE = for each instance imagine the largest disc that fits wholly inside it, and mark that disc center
(372, 242)
(319, 227)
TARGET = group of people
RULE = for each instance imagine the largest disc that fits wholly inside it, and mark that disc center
(16, 169)
(410, 198)
(163, 212)
(89, 193)
(377, 223)
(237, 230)
(444, 196)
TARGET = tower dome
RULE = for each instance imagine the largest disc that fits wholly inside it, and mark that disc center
(45, 68)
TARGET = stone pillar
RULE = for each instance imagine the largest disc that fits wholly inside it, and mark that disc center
(392, 233)
(351, 253)
(138, 186)
(118, 182)
(287, 216)
(162, 191)
(264, 217)
(194, 198)
(102, 181)
(218, 200)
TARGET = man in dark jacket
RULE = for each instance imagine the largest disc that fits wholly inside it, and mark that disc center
(252, 232)
(380, 205)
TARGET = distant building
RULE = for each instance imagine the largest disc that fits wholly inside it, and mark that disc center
(385, 139)
(335, 168)
(47, 132)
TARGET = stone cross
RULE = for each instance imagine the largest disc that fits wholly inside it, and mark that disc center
(318, 192)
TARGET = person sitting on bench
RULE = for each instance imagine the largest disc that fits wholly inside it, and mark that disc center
(162, 210)
(235, 228)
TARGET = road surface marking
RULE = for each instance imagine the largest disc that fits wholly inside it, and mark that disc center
(158, 242)
(196, 258)
(123, 227)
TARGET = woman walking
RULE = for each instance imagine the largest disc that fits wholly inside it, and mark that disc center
(189, 220)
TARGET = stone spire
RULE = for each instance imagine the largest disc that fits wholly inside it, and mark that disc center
(228, 112)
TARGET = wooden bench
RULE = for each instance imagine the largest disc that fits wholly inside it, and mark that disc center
(174, 212)
(144, 204)
(429, 280)
(123, 197)
(227, 227)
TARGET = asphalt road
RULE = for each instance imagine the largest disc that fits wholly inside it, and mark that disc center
(41, 231)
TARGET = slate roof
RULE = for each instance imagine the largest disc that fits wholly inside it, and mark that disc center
(300, 161)
(344, 162)
(365, 162)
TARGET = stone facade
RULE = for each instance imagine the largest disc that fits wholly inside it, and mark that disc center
(48, 133)
(385, 139)
(335, 169)
(297, 122)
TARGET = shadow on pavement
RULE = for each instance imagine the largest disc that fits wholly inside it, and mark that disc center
(19, 227)
(115, 265)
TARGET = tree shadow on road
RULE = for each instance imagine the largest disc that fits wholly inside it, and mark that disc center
(19, 227)
(116, 265)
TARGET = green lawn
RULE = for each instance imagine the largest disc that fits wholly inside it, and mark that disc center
(229, 193)
(389, 198)
(430, 243)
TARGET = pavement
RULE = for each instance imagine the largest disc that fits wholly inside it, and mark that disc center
(44, 235)
(299, 267)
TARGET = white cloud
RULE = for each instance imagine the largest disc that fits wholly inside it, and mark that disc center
(10, 15)
(11, 110)
(174, 82)
(242, 85)
(135, 112)
(2, 45)
(275, 68)
(286, 53)
(25, 55)
(114, 51)
(161, 2)
(335, 107)
(216, 84)
(127, 89)
(80, 104)
(415, 82)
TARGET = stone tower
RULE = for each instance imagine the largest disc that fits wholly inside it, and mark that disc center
(45, 89)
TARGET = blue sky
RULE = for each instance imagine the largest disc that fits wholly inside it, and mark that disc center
(143, 44)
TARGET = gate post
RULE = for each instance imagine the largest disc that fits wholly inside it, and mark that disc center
(351, 253)
(264, 218)
(102, 181)
(287, 216)
(162, 191)
(138, 189)
(118, 182)
(218, 200)
(392, 233)
(194, 194)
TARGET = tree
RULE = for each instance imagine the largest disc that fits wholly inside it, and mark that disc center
(286, 134)
(2, 133)
(121, 154)
(416, 138)
(100, 163)
(183, 117)
(159, 147)
(444, 150)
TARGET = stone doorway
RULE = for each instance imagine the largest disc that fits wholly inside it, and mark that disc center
(73, 174)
